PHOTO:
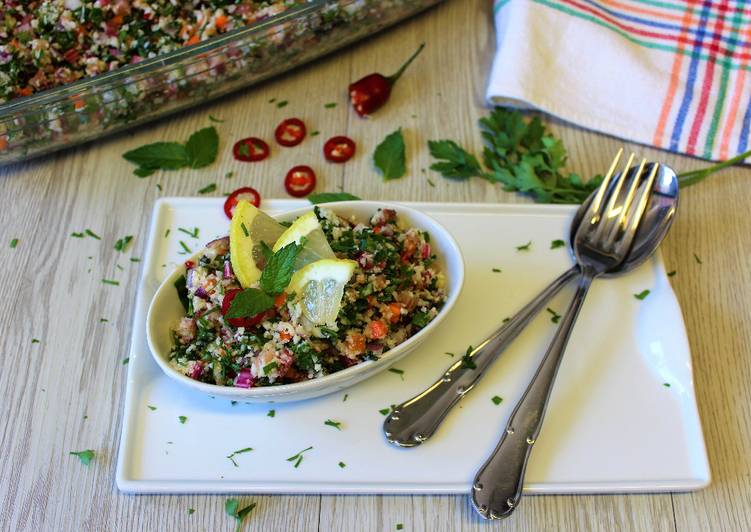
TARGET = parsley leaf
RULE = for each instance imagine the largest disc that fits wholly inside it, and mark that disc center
(182, 419)
(555, 244)
(554, 316)
(159, 155)
(232, 507)
(202, 147)
(524, 247)
(297, 458)
(331, 423)
(13, 243)
(231, 456)
(249, 302)
(279, 268)
(399, 372)
(456, 162)
(390, 156)
(330, 197)
(496, 400)
(271, 413)
(467, 361)
(208, 189)
(85, 456)
(123, 242)
(342, 465)
(641, 295)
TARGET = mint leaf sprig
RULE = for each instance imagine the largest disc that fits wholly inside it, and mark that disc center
(275, 277)
(200, 150)
(232, 507)
(390, 156)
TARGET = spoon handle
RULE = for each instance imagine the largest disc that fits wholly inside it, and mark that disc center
(498, 485)
(415, 420)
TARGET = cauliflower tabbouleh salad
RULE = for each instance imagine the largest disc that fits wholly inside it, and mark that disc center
(380, 281)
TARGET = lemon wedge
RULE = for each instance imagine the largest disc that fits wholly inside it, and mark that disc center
(316, 245)
(319, 287)
(248, 228)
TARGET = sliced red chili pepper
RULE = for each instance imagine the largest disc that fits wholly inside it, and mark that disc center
(244, 193)
(339, 149)
(290, 132)
(243, 322)
(251, 149)
(189, 264)
(300, 181)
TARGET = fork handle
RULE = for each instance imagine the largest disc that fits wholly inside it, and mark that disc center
(415, 420)
(498, 485)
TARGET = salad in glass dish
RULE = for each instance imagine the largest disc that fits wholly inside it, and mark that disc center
(272, 305)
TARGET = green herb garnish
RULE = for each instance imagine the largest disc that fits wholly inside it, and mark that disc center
(342, 465)
(125, 361)
(555, 244)
(191, 511)
(315, 133)
(192, 234)
(641, 295)
(111, 282)
(554, 316)
(231, 456)
(271, 413)
(524, 247)
(331, 423)
(13, 243)
(384, 411)
(496, 400)
(666, 384)
(399, 372)
(200, 150)
(330, 105)
(245, 230)
(76, 235)
(186, 249)
(215, 119)
(467, 361)
(151, 407)
(85, 456)
(231, 506)
(123, 242)
(697, 259)
(182, 419)
(281, 104)
(345, 397)
(297, 458)
(330, 197)
(211, 187)
(672, 273)
(35, 341)
(399, 526)
(92, 234)
(135, 259)
(390, 156)
(496, 270)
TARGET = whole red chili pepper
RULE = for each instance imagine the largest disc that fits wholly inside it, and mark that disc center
(371, 92)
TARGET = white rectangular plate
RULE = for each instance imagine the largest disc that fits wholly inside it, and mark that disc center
(622, 417)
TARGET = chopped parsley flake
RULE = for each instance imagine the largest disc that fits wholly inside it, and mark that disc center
(182, 419)
(151, 407)
(524, 247)
(315, 133)
(245, 229)
(384, 411)
(34, 341)
(342, 465)
(331, 423)
(126, 360)
(496, 400)
(496, 270)
(555, 244)
(554, 316)
(666, 384)
(103, 320)
(110, 281)
(92, 234)
(399, 526)
(85, 456)
(13, 243)
(272, 100)
(185, 247)
(166, 233)
(399, 372)
(330, 105)
(208, 189)
(297, 458)
(641, 295)
(430, 182)
(281, 104)
(135, 259)
(271, 413)
(123, 242)
(215, 119)
(231, 456)
(229, 175)
(697, 259)
(192, 234)
(449, 354)
(467, 361)
(191, 511)
(345, 397)
(76, 235)
(671, 274)
(231, 506)
(233, 403)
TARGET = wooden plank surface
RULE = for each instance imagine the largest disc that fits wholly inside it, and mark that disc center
(65, 392)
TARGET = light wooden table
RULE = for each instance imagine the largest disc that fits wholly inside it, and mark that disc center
(76, 370)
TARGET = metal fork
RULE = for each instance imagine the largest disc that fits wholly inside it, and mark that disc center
(602, 242)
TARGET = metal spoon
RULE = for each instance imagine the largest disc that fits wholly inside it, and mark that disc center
(417, 419)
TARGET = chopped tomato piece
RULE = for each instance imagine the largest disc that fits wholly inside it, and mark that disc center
(280, 299)
(355, 343)
(290, 132)
(339, 149)
(376, 330)
(251, 149)
(284, 336)
(244, 193)
(396, 312)
(300, 181)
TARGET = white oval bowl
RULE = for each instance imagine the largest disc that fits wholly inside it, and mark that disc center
(166, 310)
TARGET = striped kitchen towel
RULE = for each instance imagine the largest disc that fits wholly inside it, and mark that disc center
(675, 74)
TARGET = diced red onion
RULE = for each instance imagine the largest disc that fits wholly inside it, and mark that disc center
(425, 251)
(244, 379)
(202, 293)
(374, 346)
(196, 371)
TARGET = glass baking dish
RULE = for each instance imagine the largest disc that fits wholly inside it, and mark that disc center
(90, 108)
